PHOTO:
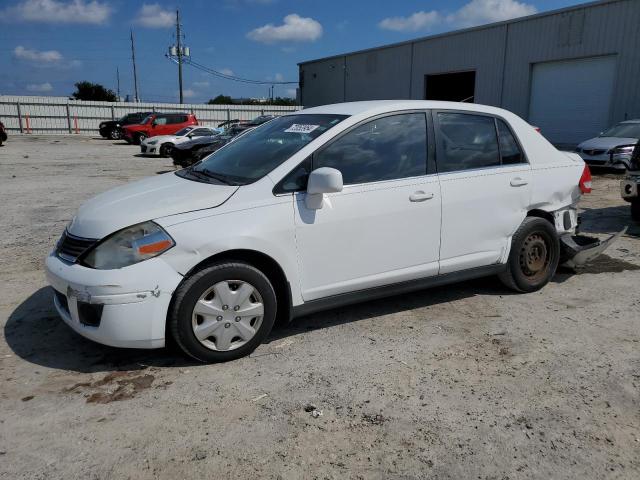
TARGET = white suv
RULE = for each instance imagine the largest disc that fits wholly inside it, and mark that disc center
(314, 210)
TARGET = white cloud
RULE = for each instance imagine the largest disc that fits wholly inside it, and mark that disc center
(56, 11)
(204, 84)
(291, 93)
(226, 71)
(412, 23)
(44, 58)
(154, 16)
(294, 29)
(476, 12)
(39, 87)
(31, 55)
(278, 77)
(188, 93)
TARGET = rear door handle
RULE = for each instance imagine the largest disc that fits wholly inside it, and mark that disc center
(420, 196)
(518, 182)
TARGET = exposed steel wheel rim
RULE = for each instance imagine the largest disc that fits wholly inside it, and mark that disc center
(227, 315)
(535, 257)
(115, 135)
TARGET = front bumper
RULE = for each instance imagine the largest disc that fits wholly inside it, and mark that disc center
(149, 149)
(131, 303)
(606, 160)
(630, 187)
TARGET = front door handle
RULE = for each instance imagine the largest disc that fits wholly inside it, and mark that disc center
(518, 182)
(420, 196)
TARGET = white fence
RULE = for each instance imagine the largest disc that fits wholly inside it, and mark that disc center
(27, 114)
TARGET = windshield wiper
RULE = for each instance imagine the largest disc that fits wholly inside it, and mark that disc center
(216, 176)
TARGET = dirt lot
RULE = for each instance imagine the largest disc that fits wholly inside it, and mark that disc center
(466, 381)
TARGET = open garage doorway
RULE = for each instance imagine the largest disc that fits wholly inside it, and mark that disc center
(452, 87)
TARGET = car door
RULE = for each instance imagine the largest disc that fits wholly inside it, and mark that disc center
(384, 226)
(485, 181)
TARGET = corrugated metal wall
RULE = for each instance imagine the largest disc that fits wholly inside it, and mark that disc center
(502, 55)
(61, 115)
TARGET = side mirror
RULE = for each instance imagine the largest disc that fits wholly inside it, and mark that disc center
(322, 180)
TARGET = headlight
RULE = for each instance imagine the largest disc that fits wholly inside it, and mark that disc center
(151, 142)
(622, 150)
(128, 246)
(102, 125)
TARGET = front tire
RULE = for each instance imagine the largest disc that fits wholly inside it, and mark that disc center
(115, 134)
(534, 256)
(223, 312)
(165, 150)
(635, 209)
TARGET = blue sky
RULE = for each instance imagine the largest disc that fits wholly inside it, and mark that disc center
(47, 45)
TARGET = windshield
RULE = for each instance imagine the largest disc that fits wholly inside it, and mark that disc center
(623, 130)
(183, 132)
(256, 153)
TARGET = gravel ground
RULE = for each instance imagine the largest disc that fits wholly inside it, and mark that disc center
(465, 381)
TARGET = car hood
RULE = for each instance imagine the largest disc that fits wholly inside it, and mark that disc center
(161, 139)
(146, 199)
(606, 142)
(198, 141)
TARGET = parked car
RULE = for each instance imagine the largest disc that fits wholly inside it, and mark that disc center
(3, 133)
(630, 186)
(113, 129)
(314, 210)
(613, 147)
(238, 127)
(163, 144)
(158, 124)
(195, 150)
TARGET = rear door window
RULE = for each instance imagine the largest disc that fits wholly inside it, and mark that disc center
(510, 151)
(466, 142)
(160, 120)
(387, 148)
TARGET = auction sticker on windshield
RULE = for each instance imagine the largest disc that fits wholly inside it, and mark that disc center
(301, 128)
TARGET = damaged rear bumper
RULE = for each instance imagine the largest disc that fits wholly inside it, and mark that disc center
(577, 250)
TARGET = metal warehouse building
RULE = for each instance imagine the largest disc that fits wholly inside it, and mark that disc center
(572, 72)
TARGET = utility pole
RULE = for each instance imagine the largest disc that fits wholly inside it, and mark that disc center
(179, 53)
(135, 75)
(118, 78)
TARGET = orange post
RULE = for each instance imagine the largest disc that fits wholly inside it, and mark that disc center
(28, 123)
(75, 124)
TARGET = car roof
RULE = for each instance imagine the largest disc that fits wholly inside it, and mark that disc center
(382, 106)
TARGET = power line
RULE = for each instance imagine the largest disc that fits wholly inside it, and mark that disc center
(215, 73)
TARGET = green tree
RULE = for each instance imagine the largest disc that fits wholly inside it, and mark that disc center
(93, 91)
(220, 100)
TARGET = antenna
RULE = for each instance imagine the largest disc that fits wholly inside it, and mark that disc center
(118, 79)
(135, 75)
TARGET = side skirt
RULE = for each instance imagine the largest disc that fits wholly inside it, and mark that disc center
(359, 296)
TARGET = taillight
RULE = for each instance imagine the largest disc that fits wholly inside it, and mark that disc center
(585, 180)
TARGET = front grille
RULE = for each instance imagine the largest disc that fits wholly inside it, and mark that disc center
(143, 149)
(593, 152)
(71, 247)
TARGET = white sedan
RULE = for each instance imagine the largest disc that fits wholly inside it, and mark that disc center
(161, 145)
(314, 210)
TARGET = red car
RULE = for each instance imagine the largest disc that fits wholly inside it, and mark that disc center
(158, 124)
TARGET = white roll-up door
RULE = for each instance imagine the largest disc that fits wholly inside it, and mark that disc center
(571, 99)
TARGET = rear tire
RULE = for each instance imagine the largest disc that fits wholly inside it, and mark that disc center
(635, 209)
(223, 312)
(534, 256)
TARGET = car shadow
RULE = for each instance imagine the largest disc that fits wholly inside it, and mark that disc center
(36, 333)
(608, 220)
(490, 286)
